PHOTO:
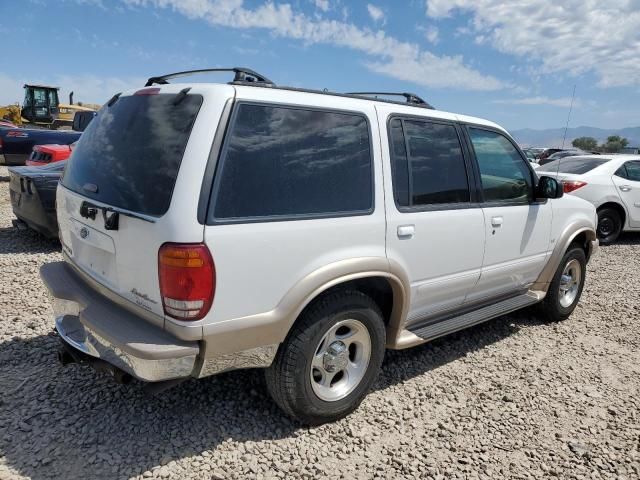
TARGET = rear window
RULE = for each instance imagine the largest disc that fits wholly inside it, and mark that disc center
(283, 162)
(576, 166)
(130, 154)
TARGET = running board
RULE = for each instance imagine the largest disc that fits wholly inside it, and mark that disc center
(438, 329)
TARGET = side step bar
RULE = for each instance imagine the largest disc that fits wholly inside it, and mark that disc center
(434, 330)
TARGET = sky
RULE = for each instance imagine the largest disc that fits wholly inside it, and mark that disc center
(515, 62)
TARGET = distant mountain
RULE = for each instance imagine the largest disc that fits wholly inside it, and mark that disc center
(552, 137)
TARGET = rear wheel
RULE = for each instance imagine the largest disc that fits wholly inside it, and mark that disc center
(609, 225)
(567, 284)
(330, 359)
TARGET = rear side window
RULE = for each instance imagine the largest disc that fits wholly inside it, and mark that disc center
(130, 154)
(285, 161)
(576, 166)
(427, 163)
(630, 171)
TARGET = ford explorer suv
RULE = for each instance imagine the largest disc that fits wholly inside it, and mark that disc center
(213, 227)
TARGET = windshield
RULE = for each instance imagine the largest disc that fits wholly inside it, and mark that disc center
(130, 154)
(576, 166)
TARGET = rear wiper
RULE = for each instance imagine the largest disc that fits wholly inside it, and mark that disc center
(181, 95)
(110, 215)
(114, 99)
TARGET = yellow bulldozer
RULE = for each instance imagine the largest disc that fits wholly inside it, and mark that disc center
(42, 108)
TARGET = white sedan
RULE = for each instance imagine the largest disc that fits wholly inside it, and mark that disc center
(610, 182)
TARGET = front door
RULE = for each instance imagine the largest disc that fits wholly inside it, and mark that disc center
(435, 228)
(518, 229)
(627, 181)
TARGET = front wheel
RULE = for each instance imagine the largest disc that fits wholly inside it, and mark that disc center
(567, 284)
(330, 359)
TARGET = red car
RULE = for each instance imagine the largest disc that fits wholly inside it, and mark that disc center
(46, 154)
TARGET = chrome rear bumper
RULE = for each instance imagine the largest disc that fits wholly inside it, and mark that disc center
(97, 327)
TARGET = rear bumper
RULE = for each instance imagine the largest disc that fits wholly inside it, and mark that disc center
(92, 324)
(14, 158)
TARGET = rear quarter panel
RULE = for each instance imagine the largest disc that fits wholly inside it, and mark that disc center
(257, 264)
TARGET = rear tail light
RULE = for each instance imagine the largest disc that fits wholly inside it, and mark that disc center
(570, 185)
(187, 280)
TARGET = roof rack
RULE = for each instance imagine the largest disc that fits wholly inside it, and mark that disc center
(410, 97)
(242, 75)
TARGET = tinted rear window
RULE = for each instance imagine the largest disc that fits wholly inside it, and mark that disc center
(576, 166)
(283, 162)
(132, 152)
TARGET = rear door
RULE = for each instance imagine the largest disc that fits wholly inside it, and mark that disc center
(518, 229)
(627, 181)
(133, 183)
(435, 227)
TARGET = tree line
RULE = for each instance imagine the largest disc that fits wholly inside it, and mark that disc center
(614, 144)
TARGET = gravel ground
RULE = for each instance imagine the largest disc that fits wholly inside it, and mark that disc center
(513, 398)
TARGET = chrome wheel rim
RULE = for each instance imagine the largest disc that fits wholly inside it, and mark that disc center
(340, 360)
(570, 283)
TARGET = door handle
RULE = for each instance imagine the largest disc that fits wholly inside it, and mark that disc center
(406, 231)
(496, 221)
(625, 188)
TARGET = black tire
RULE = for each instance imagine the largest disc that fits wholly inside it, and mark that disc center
(289, 377)
(609, 225)
(552, 308)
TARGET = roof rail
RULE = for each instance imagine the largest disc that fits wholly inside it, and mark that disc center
(242, 75)
(410, 97)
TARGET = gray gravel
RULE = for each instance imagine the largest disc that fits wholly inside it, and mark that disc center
(514, 398)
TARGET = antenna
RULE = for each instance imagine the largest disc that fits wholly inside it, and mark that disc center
(568, 117)
(566, 127)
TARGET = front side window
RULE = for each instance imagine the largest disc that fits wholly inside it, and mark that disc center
(284, 161)
(504, 174)
(428, 164)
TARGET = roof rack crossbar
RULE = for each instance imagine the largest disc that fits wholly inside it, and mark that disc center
(242, 75)
(410, 97)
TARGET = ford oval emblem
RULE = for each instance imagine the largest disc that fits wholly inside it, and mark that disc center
(84, 233)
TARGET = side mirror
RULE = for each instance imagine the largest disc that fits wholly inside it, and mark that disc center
(549, 187)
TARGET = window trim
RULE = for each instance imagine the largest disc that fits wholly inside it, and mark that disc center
(222, 160)
(532, 175)
(471, 182)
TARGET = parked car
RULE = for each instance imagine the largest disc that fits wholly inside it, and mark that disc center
(610, 182)
(561, 154)
(16, 144)
(530, 154)
(263, 237)
(630, 151)
(81, 120)
(546, 153)
(33, 197)
(46, 154)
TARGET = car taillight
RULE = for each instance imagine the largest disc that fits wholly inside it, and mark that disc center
(570, 185)
(187, 280)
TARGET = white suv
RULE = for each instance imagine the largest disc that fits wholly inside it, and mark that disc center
(212, 227)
